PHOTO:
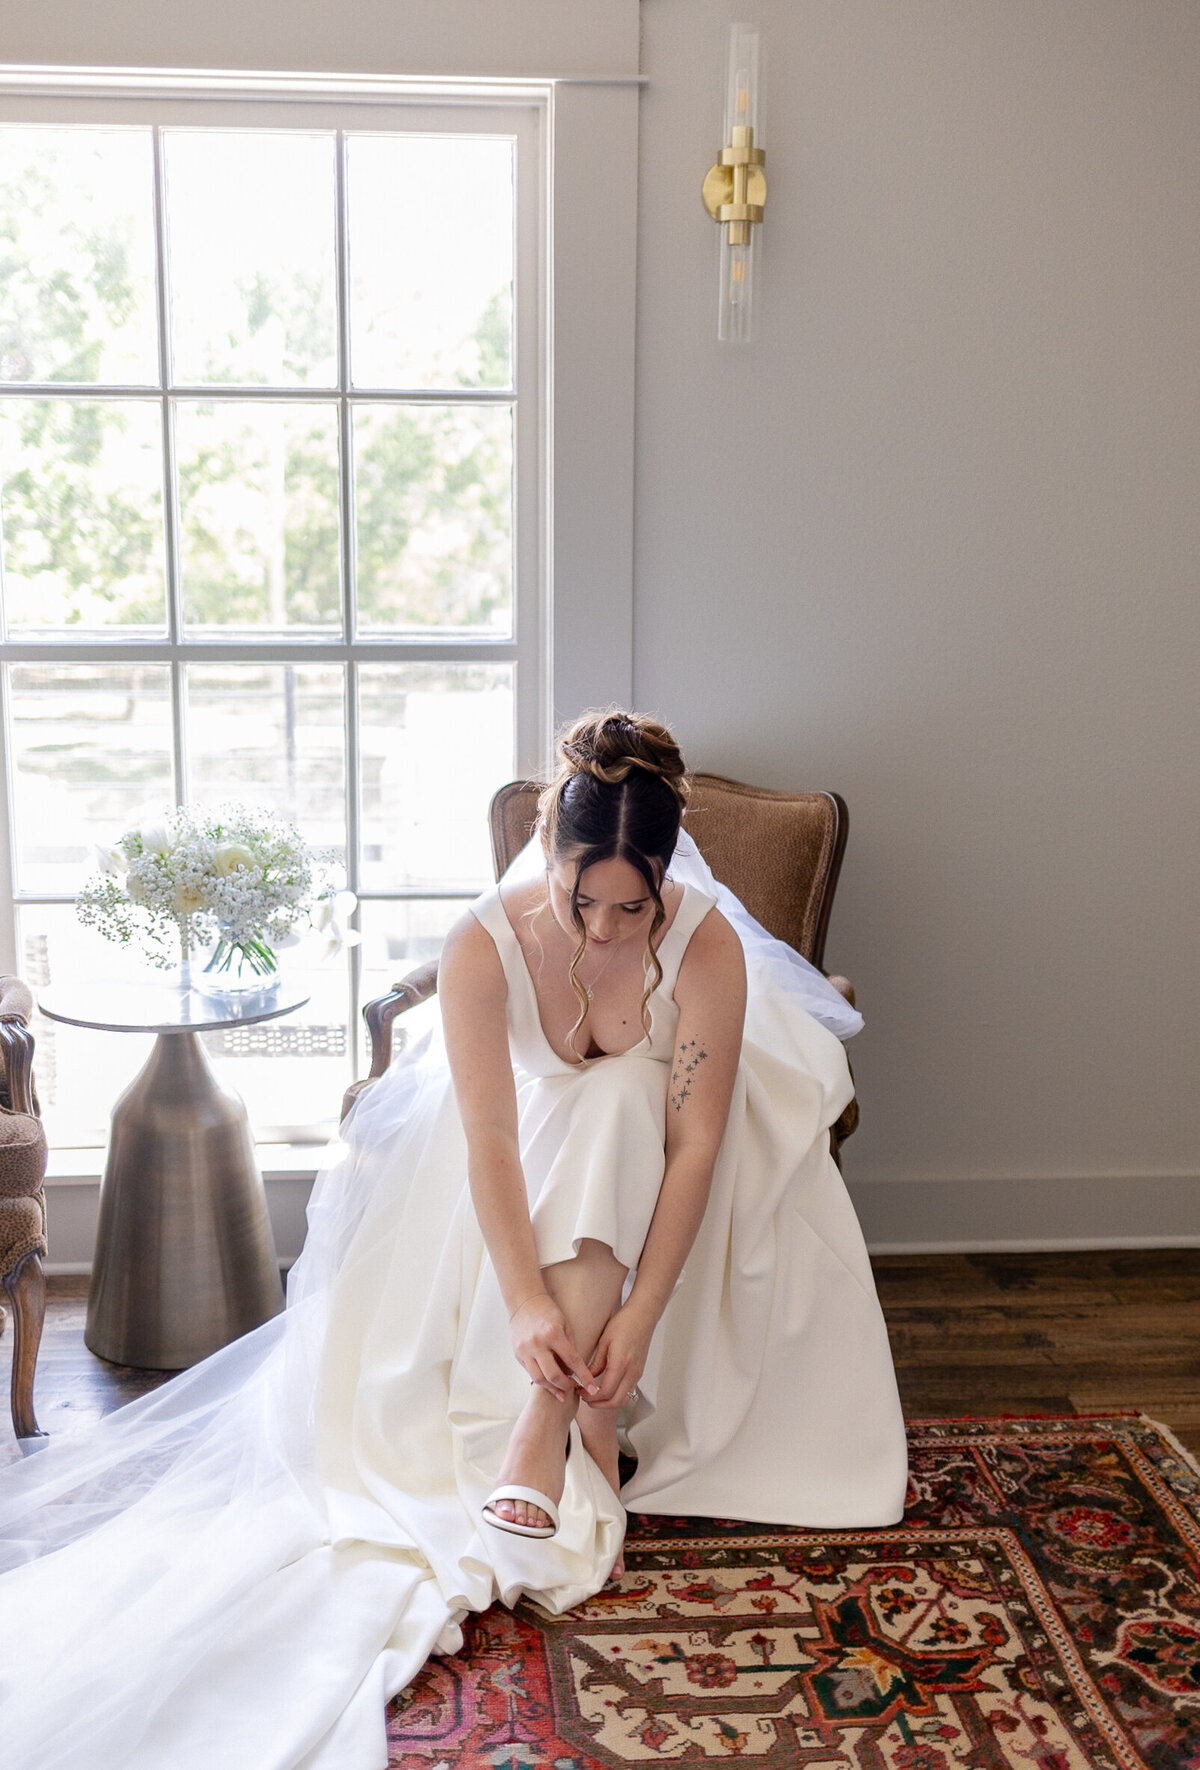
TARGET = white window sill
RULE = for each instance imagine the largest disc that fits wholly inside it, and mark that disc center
(277, 1161)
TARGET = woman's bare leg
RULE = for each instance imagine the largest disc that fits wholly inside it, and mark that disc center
(598, 1429)
(597, 1425)
(587, 1289)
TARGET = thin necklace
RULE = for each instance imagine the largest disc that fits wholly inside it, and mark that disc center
(587, 990)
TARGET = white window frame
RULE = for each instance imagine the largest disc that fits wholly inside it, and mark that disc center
(575, 554)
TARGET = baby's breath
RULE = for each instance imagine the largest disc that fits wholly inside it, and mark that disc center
(242, 877)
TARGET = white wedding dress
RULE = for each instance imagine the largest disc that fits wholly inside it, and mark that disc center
(244, 1566)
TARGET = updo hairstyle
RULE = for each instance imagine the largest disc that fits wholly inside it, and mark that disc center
(618, 794)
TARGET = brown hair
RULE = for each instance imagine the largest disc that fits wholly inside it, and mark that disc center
(618, 793)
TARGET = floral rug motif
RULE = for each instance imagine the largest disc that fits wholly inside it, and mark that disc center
(1037, 1609)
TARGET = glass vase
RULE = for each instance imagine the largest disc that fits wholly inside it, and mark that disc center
(236, 972)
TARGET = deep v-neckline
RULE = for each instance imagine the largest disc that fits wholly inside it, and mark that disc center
(527, 975)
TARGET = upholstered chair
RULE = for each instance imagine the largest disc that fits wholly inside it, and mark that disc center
(779, 852)
(22, 1200)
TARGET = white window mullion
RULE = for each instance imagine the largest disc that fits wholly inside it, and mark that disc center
(170, 492)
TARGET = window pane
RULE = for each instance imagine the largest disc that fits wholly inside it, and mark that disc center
(396, 937)
(258, 500)
(81, 513)
(251, 251)
(431, 283)
(293, 1072)
(437, 741)
(433, 511)
(274, 735)
(77, 255)
(91, 757)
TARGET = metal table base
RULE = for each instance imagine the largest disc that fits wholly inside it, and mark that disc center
(185, 1259)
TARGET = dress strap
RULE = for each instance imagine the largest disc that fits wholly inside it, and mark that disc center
(488, 910)
(674, 943)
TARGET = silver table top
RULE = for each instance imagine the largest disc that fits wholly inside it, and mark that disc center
(159, 1005)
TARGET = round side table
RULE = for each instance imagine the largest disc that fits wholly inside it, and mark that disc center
(185, 1259)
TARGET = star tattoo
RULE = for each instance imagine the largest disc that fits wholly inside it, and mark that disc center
(687, 1061)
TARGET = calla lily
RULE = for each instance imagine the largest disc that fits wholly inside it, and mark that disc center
(330, 917)
(154, 839)
(109, 859)
(337, 908)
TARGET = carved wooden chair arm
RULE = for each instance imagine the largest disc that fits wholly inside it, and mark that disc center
(16, 1061)
(409, 992)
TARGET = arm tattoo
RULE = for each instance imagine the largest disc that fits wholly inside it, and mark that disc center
(687, 1062)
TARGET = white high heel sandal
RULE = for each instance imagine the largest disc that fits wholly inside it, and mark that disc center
(532, 1497)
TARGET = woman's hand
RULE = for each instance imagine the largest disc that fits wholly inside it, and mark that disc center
(620, 1356)
(546, 1350)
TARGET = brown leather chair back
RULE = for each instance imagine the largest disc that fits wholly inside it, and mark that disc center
(779, 852)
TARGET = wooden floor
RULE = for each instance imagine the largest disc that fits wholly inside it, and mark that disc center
(971, 1334)
(1047, 1333)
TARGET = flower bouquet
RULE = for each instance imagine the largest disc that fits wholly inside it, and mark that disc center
(234, 878)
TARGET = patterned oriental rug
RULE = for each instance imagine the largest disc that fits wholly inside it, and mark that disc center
(1038, 1609)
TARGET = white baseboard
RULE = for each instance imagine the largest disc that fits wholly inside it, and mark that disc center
(1028, 1214)
(972, 1215)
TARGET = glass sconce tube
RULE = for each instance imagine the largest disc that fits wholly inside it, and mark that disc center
(735, 189)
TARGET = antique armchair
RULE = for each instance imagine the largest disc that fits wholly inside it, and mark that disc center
(22, 1200)
(779, 852)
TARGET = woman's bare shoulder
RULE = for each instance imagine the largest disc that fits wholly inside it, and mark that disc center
(469, 956)
(714, 958)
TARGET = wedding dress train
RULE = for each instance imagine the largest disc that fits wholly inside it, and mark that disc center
(243, 1567)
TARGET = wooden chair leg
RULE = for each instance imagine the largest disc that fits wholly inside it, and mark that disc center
(26, 1287)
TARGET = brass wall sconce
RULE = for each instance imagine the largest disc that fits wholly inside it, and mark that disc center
(735, 189)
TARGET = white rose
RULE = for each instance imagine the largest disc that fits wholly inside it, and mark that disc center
(188, 899)
(230, 856)
(135, 889)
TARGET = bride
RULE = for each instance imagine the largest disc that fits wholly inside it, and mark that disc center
(606, 1192)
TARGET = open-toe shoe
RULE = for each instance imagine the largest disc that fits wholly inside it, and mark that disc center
(531, 1496)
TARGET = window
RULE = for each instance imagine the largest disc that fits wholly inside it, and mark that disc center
(271, 481)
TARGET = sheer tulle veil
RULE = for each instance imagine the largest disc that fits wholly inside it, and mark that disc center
(195, 1497)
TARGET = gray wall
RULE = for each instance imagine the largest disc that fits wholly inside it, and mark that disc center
(931, 540)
